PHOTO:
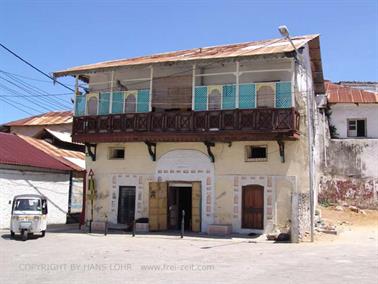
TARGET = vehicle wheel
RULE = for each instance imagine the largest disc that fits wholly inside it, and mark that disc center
(43, 233)
(24, 235)
(12, 234)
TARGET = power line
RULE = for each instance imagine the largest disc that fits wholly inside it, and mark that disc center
(30, 78)
(16, 106)
(35, 68)
(40, 104)
(36, 89)
(23, 96)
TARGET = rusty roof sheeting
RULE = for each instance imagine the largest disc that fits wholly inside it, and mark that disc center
(49, 118)
(64, 156)
(253, 48)
(337, 93)
(16, 151)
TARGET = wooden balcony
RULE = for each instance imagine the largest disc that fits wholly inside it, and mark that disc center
(189, 126)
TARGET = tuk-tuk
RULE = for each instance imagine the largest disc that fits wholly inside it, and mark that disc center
(29, 215)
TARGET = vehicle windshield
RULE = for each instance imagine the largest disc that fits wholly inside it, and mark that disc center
(33, 204)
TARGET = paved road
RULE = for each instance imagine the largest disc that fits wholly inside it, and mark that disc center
(75, 257)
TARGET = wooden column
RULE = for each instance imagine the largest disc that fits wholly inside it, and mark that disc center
(151, 86)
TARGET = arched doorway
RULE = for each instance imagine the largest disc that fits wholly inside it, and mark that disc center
(253, 207)
(189, 173)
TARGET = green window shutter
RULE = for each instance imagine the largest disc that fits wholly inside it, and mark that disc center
(117, 102)
(80, 105)
(200, 98)
(104, 103)
(229, 97)
(283, 95)
(143, 101)
(247, 96)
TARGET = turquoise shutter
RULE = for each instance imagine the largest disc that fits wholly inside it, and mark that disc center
(283, 95)
(117, 102)
(228, 97)
(247, 96)
(143, 101)
(104, 103)
(200, 98)
(80, 105)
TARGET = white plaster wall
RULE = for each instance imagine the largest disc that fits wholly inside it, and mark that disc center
(352, 158)
(54, 186)
(342, 112)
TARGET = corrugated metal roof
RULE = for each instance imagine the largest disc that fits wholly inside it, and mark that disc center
(72, 159)
(254, 48)
(49, 118)
(62, 136)
(16, 151)
(337, 93)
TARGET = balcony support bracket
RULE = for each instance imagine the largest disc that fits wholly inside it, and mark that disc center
(281, 145)
(151, 150)
(208, 146)
(91, 150)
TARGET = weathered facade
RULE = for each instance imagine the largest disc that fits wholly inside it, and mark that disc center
(348, 162)
(218, 132)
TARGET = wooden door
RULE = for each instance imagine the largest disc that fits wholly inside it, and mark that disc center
(126, 205)
(158, 206)
(196, 206)
(253, 207)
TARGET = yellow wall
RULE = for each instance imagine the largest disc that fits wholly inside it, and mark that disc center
(229, 163)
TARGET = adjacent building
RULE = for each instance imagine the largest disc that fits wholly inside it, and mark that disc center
(51, 133)
(219, 132)
(354, 111)
(349, 152)
(26, 169)
(55, 121)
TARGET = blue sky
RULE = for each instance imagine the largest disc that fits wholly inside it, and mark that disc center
(55, 35)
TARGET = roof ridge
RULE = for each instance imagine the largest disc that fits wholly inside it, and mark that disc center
(43, 155)
(162, 54)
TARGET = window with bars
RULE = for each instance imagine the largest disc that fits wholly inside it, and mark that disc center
(356, 127)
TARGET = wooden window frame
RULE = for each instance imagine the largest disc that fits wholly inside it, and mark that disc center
(355, 121)
(246, 150)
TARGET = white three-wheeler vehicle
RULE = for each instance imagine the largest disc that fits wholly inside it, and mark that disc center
(29, 215)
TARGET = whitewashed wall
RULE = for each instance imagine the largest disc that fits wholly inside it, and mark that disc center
(54, 186)
(342, 112)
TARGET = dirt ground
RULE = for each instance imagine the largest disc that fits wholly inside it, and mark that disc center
(350, 225)
(68, 255)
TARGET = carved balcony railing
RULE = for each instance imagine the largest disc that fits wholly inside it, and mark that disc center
(216, 125)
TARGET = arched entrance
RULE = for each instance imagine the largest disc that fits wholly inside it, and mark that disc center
(184, 178)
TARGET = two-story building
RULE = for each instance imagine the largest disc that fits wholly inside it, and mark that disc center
(218, 132)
